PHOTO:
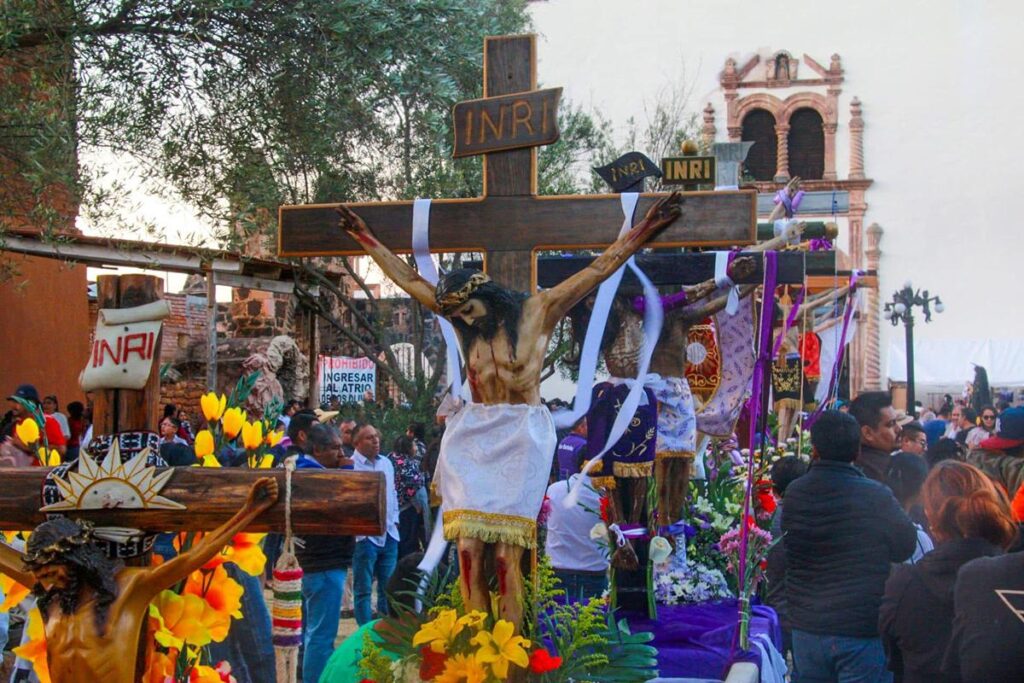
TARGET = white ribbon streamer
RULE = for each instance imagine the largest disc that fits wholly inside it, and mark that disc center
(722, 279)
(428, 271)
(787, 227)
(654, 316)
(564, 419)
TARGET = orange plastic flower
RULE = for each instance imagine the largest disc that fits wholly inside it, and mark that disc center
(463, 669)
(222, 596)
(160, 668)
(13, 591)
(204, 674)
(246, 552)
(35, 649)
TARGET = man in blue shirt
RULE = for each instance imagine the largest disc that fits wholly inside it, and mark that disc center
(375, 556)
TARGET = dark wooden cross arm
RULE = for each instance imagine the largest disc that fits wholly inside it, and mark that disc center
(12, 563)
(395, 268)
(557, 301)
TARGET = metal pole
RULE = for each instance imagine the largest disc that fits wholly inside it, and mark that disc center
(908, 323)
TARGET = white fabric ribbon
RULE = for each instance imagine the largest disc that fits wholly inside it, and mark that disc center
(428, 271)
(654, 316)
(723, 280)
(564, 419)
(787, 227)
(621, 536)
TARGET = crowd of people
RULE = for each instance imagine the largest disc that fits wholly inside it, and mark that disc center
(899, 557)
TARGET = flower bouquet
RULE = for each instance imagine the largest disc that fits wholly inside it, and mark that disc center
(558, 643)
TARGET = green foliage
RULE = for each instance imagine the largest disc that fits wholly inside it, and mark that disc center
(374, 664)
(240, 393)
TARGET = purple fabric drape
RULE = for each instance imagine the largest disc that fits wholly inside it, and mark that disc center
(790, 319)
(837, 366)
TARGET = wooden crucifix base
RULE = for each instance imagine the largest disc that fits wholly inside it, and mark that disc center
(331, 502)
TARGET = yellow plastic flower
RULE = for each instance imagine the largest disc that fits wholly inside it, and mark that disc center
(263, 462)
(35, 649)
(274, 437)
(204, 443)
(252, 434)
(213, 407)
(439, 633)
(28, 431)
(500, 647)
(474, 619)
(176, 619)
(462, 669)
(233, 421)
(13, 591)
(51, 460)
(210, 461)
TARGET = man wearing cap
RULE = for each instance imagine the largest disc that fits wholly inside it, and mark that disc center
(1001, 457)
(54, 434)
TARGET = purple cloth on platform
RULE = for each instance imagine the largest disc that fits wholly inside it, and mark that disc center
(696, 641)
(636, 446)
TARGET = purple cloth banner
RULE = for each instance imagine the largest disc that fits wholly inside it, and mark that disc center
(696, 641)
(837, 367)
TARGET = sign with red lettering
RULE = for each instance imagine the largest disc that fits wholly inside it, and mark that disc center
(346, 379)
(123, 347)
(493, 124)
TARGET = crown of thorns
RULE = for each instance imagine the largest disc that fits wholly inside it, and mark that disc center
(448, 301)
(55, 551)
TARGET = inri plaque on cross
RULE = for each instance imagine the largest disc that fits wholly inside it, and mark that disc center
(510, 223)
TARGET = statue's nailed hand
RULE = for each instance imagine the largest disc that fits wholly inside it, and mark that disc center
(741, 268)
(666, 210)
(793, 186)
(263, 494)
(350, 222)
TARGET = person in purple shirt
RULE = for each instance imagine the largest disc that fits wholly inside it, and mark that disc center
(570, 449)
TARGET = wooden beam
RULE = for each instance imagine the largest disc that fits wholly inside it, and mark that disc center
(690, 268)
(328, 502)
(514, 223)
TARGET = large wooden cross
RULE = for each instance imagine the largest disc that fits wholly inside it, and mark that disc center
(510, 223)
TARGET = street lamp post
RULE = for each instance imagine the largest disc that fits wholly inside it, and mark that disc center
(900, 309)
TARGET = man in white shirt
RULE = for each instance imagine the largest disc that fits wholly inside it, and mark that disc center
(579, 562)
(375, 556)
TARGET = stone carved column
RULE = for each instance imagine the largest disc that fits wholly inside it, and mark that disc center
(708, 130)
(782, 163)
(733, 125)
(856, 141)
(870, 315)
(830, 151)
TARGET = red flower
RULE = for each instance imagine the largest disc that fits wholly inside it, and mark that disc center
(763, 564)
(604, 508)
(432, 665)
(767, 501)
(367, 680)
(541, 661)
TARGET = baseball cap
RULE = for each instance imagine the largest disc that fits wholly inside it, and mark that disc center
(26, 392)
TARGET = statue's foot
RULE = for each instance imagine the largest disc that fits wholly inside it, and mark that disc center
(625, 558)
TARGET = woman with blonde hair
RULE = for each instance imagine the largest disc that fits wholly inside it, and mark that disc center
(968, 518)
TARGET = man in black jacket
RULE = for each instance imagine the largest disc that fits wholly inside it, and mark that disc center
(879, 431)
(842, 531)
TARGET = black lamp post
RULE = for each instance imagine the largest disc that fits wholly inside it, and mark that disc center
(901, 309)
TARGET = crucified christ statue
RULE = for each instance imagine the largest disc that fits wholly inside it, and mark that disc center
(94, 609)
(496, 452)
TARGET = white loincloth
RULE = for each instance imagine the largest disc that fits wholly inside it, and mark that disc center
(493, 471)
(677, 419)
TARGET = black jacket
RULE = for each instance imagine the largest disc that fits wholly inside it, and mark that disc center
(842, 531)
(916, 618)
(988, 621)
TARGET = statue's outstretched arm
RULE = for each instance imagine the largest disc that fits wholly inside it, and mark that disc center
(559, 299)
(262, 495)
(12, 563)
(400, 272)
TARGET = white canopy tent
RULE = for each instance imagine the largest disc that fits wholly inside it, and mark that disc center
(944, 362)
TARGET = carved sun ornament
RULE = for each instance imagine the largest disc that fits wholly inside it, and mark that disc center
(131, 485)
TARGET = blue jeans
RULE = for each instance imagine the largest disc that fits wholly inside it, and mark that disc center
(838, 659)
(321, 606)
(581, 587)
(372, 562)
